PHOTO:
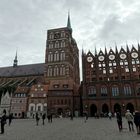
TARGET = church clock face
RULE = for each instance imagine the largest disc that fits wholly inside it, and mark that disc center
(101, 58)
(122, 56)
(111, 57)
(134, 55)
(89, 59)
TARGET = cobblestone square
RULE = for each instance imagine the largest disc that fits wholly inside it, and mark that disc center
(66, 129)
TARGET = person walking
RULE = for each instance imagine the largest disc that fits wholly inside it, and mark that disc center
(119, 120)
(110, 115)
(10, 118)
(37, 118)
(137, 121)
(86, 117)
(129, 117)
(43, 118)
(3, 122)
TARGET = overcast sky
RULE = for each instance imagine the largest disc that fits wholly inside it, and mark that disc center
(24, 25)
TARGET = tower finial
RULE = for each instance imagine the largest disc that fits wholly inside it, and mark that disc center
(68, 21)
(15, 60)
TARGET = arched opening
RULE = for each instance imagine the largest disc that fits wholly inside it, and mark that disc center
(93, 110)
(59, 111)
(105, 109)
(130, 107)
(117, 107)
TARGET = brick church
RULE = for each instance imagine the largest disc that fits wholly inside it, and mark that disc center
(111, 80)
(50, 87)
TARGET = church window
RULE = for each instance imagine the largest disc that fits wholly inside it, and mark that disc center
(62, 34)
(56, 44)
(56, 71)
(137, 61)
(62, 55)
(62, 43)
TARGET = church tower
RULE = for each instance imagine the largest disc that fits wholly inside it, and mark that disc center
(62, 69)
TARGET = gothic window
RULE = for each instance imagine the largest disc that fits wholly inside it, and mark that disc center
(92, 91)
(56, 71)
(62, 43)
(103, 91)
(51, 45)
(62, 34)
(51, 36)
(49, 71)
(62, 55)
(56, 44)
(100, 65)
(127, 90)
(56, 56)
(115, 91)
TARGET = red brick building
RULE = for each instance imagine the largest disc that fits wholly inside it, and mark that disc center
(111, 80)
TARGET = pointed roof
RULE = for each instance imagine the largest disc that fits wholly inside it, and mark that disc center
(68, 21)
(15, 60)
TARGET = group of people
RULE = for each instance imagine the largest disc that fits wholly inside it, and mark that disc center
(131, 119)
(49, 117)
(4, 120)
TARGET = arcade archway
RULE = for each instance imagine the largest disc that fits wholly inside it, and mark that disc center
(130, 107)
(105, 108)
(117, 107)
(93, 110)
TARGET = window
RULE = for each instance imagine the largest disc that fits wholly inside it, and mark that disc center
(103, 91)
(65, 86)
(62, 55)
(56, 86)
(92, 91)
(127, 90)
(115, 91)
(39, 108)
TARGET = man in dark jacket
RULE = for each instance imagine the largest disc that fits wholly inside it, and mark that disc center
(3, 122)
(119, 120)
(137, 121)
